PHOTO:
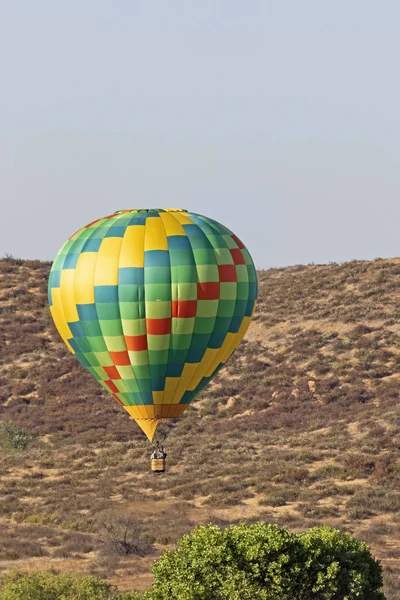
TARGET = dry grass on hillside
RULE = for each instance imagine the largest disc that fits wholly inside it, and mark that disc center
(301, 427)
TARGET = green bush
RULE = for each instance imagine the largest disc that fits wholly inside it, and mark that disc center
(13, 438)
(44, 585)
(338, 567)
(266, 562)
(47, 586)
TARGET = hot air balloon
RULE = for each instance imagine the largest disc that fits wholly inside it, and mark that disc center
(153, 303)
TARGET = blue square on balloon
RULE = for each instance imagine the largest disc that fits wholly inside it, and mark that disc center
(74, 345)
(174, 370)
(87, 312)
(191, 229)
(138, 220)
(158, 384)
(116, 231)
(253, 290)
(55, 278)
(204, 227)
(106, 293)
(76, 329)
(131, 275)
(92, 245)
(156, 258)
(216, 339)
(235, 324)
(203, 382)
(249, 308)
(187, 397)
(178, 242)
(147, 397)
(70, 261)
(195, 355)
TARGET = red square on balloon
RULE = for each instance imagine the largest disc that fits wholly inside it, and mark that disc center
(112, 386)
(208, 290)
(112, 372)
(237, 256)
(136, 342)
(184, 308)
(158, 326)
(237, 241)
(120, 359)
(227, 273)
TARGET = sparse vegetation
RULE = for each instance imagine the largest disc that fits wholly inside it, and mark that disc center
(13, 437)
(300, 428)
(123, 536)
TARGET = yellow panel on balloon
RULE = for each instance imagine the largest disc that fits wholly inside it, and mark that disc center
(137, 412)
(189, 371)
(106, 272)
(59, 317)
(229, 342)
(155, 238)
(183, 219)
(158, 397)
(132, 248)
(84, 277)
(240, 334)
(171, 383)
(204, 364)
(149, 408)
(172, 226)
(68, 296)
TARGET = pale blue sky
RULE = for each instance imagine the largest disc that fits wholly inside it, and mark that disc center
(279, 118)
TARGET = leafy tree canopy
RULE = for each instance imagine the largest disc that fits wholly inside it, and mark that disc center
(266, 562)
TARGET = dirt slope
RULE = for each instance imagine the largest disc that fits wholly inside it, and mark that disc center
(301, 427)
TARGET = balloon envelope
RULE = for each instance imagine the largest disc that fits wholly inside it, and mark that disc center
(153, 303)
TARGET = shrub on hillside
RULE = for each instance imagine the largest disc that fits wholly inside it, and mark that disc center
(266, 562)
(123, 536)
(13, 438)
(45, 585)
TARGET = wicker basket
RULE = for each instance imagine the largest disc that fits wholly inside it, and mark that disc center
(158, 465)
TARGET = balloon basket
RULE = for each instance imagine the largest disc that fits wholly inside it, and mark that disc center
(158, 465)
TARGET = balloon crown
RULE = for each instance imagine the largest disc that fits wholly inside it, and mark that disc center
(120, 212)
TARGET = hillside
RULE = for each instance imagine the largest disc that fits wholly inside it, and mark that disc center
(301, 427)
